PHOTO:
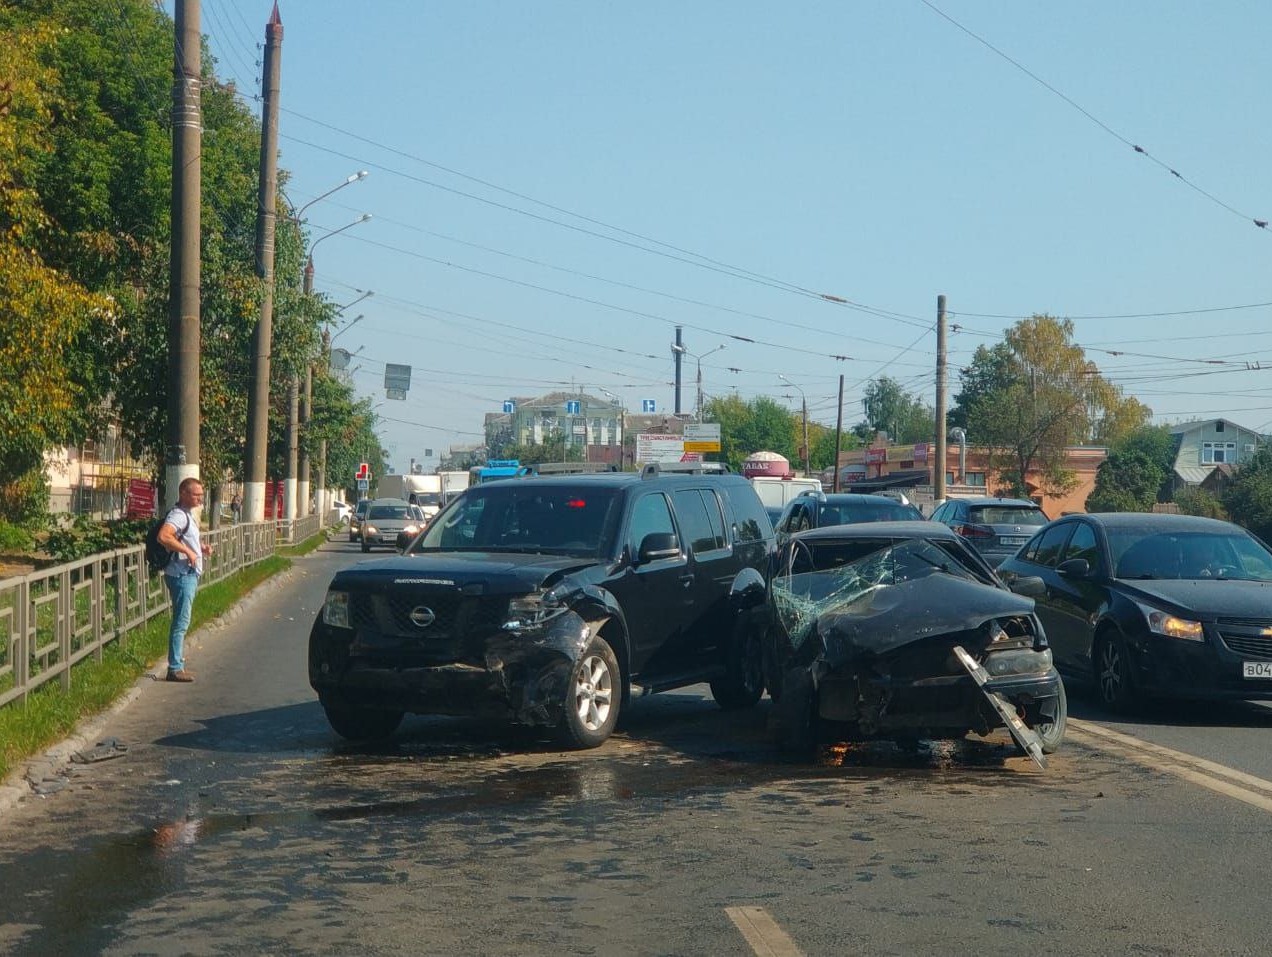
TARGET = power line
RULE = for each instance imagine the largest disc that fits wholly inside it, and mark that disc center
(1260, 223)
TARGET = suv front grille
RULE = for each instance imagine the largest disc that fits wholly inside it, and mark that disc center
(459, 622)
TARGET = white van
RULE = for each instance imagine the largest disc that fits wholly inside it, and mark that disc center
(776, 492)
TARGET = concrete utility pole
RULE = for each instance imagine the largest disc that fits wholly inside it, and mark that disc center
(938, 484)
(181, 451)
(292, 507)
(262, 336)
(839, 431)
(678, 350)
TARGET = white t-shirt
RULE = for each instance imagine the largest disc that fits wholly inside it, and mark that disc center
(187, 531)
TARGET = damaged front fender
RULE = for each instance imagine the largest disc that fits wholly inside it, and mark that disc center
(535, 664)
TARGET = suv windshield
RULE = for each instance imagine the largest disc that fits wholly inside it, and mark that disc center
(522, 516)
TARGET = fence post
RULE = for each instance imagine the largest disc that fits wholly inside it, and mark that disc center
(64, 625)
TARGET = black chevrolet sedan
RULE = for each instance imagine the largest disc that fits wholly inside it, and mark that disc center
(1154, 605)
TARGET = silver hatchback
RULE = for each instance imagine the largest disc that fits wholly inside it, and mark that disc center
(995, 527)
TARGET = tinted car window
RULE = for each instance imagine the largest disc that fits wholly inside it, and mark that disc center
(1052, 541)
(850, 513)
(715, 513)
(696, 526)
(650, 515)
(1007, 515)
(1083, 545)
(752, 523)
(1188, 555)
(1030, 552)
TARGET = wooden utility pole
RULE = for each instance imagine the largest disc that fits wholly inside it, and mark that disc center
(181, 450)
(839, 431)
(938, 483)
(262, 336)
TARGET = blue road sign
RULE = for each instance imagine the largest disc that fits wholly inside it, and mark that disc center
(572, 407)
(510, 406)
(647, 405)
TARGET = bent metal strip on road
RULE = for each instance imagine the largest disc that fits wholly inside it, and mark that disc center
(762, 933)
(1208, 774)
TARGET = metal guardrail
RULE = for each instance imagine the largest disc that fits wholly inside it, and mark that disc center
(52, 619)
(295, 530)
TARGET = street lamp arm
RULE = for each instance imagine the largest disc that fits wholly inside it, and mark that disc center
(351, 178)
(335, 232)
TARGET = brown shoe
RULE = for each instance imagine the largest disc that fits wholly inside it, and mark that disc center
(181, 675)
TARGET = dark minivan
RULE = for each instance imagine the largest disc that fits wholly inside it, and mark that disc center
(553, 602)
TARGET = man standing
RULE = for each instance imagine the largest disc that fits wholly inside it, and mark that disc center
(180, 535)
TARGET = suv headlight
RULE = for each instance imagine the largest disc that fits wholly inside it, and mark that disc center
(1164, 623)
(335, 610)
(534, 609)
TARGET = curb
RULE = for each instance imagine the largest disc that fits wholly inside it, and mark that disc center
(50, 772)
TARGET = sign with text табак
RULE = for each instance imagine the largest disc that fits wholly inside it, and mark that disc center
(702, 437)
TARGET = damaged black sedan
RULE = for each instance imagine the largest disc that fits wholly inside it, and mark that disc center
(898, 631)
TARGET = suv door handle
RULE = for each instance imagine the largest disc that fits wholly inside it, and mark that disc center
(686, 580)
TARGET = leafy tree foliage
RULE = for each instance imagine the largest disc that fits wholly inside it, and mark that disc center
(822, 442)
(1248, 499)
(1136, 473)
(1197, 501)
(44, 312)
(758, 425)
(889, 408)
(1029, 397)
(85, 159)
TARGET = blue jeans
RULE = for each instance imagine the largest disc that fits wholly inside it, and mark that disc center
(181, 590)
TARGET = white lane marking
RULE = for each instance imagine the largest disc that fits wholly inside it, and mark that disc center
(762, 933)
(1207, 774)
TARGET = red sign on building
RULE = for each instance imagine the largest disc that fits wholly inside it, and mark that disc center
(876, 456)
(141, 499)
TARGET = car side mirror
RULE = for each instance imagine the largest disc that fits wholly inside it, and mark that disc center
(658, 545)
(1074, 568)
(1030, 586)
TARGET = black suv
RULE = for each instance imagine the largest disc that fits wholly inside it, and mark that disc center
(552, 601)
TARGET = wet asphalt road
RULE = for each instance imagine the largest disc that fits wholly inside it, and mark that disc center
(239, 824)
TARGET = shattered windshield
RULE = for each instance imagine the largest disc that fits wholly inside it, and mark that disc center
(817, 576)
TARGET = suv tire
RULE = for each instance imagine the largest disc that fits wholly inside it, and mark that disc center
(593, 695)
(742, 683)
(357, 723)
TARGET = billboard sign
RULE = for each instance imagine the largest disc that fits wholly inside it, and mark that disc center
(702, 437)
(654, 447)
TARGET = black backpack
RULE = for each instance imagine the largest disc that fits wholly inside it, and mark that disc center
(157, 556)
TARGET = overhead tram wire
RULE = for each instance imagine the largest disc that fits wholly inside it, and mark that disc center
(1260, 223)
(624, 285)
(598, 302)
(701, 262)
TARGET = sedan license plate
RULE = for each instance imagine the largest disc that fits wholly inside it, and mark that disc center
(1256, 669)
(1012, 539)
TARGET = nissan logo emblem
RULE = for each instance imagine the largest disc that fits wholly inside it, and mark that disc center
(422, 617)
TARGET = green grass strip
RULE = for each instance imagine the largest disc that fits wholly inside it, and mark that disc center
(49, 714)
(304, 548)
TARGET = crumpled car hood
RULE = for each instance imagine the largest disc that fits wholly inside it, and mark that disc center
(888, 617)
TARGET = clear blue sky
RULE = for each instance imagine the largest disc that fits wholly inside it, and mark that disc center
(868, 149)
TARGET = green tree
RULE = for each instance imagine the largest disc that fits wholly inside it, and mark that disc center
(889, 408)
(746, 427)
(1033, 395)
(44, 399)
(1197, 501)
(1135, 474)
(1248, 500)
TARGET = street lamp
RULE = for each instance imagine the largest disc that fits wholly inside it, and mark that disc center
(804, 402)
(699, 361)
(346, 327)
(351, 178)
(622, 428)
(365, 295)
